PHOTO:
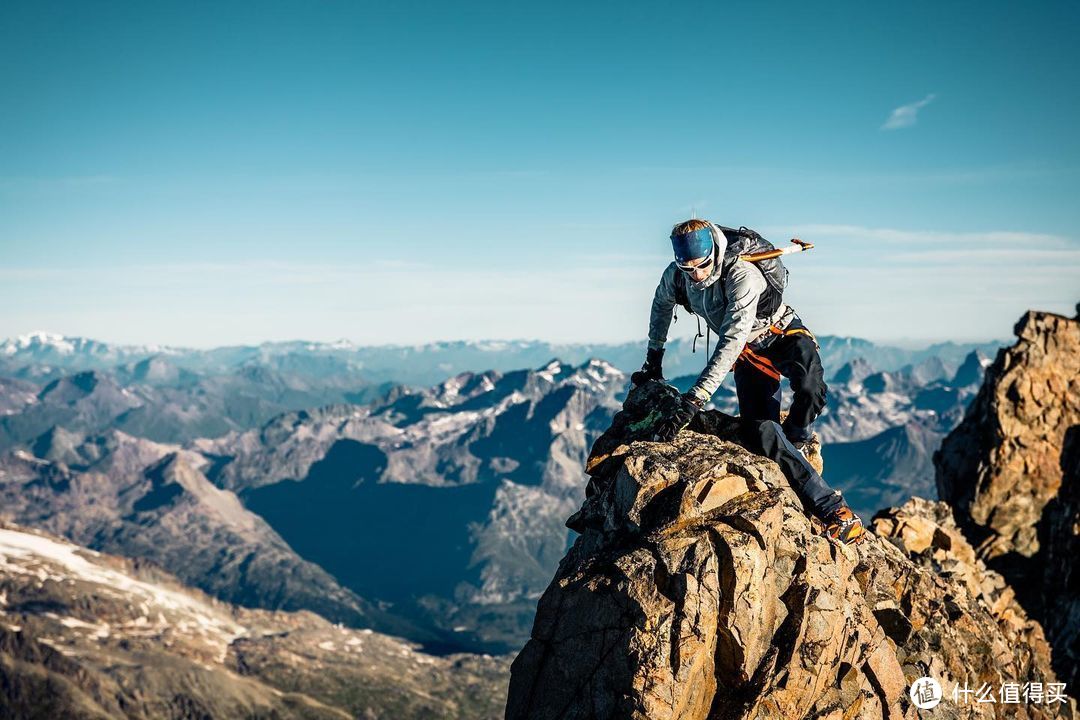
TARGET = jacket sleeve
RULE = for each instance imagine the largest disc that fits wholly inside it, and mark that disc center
(662, 305)
(744, 286)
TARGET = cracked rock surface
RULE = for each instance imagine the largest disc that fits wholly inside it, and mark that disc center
(700, 588)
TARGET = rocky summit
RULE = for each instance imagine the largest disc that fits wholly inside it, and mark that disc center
(701, 588)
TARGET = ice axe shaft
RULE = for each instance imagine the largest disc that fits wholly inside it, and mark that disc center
(797, 246)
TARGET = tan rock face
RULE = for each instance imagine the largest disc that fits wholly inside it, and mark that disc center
(928, 534)
(699, 588)
(1001, 466)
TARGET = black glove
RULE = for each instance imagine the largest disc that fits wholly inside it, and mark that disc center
(680, 417)
(652, 369)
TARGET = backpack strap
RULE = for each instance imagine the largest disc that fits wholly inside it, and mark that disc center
(681, 298)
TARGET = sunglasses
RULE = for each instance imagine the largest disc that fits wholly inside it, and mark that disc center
(700, 266)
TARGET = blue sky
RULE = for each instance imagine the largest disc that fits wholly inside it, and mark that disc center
(211, 173)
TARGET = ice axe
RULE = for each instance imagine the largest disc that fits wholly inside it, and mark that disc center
(798, 246)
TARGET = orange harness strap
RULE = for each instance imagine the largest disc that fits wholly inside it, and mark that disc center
(762, 363)
(794, 331)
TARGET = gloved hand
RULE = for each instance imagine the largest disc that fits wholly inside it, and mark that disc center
(652, 369)
(689, 406)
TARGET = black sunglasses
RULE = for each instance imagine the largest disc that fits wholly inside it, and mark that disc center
(703, 264)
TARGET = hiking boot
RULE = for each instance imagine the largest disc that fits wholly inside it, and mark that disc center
(844, 525)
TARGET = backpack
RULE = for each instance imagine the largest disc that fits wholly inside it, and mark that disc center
(745, 241)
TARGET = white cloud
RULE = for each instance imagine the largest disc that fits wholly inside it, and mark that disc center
(907, 115)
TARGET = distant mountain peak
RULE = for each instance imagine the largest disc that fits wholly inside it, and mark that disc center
(72, 387)
(854, 371)
(42, 343)
(40, 339)
(161, 648)
(971, 370)
(602, 365)
(554, 370)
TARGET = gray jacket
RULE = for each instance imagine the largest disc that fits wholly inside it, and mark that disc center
(729, 308)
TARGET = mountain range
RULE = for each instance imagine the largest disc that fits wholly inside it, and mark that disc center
(284, 486)
(465, 484)
(44, 356)
(433, 514)
(292, 477)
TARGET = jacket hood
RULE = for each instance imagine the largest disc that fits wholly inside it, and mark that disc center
(717, 267)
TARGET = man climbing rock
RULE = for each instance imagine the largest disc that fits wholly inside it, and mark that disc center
(762, 339)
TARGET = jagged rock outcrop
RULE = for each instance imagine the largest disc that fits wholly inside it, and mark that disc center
(1009, 471)
(1000, 467)
(928, 534)
(700, 588)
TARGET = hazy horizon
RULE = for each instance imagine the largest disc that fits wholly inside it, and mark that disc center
(902, 343)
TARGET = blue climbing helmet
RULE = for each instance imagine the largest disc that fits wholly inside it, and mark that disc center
(692, 245)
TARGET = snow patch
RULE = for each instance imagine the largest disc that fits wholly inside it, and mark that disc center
(27, 457)
(40, 339)
(15, 545)
(549, 371)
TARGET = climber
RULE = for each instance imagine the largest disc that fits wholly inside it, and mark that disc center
(761, 339)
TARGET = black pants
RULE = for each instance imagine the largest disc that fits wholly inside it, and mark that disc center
(766, 438)
(757, 382)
